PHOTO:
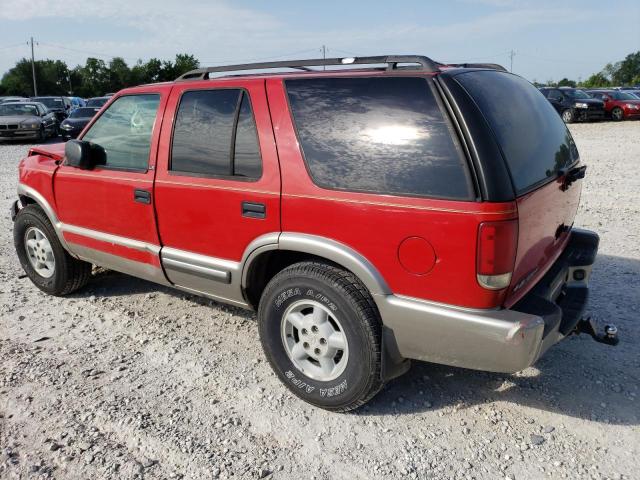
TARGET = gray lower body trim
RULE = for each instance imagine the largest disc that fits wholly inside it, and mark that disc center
(120, 264)
(491, 340)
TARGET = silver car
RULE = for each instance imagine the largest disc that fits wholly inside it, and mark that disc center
(27, 120)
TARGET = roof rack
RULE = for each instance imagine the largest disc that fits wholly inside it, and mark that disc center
(392, 61)
(493, 66)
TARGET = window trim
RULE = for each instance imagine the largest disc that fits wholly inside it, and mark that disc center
(181, 173)
(472, 195)
(101, 112)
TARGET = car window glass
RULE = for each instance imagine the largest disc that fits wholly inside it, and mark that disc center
(212, 128)
(124, 131)
(384, 135)
(247, 161)
(534, 140)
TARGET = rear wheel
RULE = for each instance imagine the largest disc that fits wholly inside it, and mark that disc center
(321, 333)
(617, 114)
(43, 258)
(567, 116)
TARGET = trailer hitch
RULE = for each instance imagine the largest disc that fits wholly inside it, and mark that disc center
(609, 336)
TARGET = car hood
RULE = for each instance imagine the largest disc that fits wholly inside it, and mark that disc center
(18, 119)
(589, 101)
(77, 122)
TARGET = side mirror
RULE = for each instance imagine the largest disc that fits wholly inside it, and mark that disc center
(84, 155)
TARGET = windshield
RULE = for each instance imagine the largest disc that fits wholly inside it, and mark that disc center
(83, 113)
(622, 96)
(20, 109)
(96, 102)
(50, 102)
(534, 140)
(576, 94)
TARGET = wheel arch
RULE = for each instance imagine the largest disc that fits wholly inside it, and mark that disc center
(267, 260)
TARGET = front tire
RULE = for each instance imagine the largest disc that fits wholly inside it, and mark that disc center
(568, 116)
(321, 333)
(617, 114)
(43, 258)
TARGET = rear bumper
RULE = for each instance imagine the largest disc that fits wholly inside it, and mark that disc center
(501, 340)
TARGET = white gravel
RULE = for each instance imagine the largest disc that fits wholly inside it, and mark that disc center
(129, 380)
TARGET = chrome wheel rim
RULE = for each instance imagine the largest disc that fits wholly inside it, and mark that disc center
(314, 340)
(566, 116)
(39, 252)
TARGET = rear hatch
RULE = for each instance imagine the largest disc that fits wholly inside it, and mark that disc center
(541, 157)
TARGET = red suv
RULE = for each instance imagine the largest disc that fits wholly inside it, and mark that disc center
(389, 211)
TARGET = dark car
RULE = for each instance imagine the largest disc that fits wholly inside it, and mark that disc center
(76, 121)
(618, 105)
(574, 104)
(97, 101)
(58, 105)
(11, 99)
(28, 120)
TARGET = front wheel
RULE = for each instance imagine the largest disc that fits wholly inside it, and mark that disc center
(617, 114)
(568, 116)
(321, 333)
(43, 258)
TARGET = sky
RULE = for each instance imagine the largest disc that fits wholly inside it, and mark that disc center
(551, 39)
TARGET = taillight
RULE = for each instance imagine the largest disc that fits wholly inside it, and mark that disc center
(496, 255)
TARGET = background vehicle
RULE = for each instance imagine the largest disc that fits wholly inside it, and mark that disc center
(618, 105)
(9, 99)
(76, 121)
(58, 105)
(474, 261)
(97, 101)
(26, 120)
(573, 104)
(76, 102)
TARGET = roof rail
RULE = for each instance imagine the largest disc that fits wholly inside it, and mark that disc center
(493, 66)
(392, 61)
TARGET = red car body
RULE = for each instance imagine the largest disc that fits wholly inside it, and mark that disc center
(422, 259)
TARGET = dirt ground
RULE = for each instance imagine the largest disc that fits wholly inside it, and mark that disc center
(126, 379)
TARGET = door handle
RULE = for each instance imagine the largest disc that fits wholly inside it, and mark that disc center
(254, 210)
(142, 196)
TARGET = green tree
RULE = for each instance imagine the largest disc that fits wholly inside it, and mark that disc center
(119, 75)
(565, 82)
(627, 70)
(596, 80)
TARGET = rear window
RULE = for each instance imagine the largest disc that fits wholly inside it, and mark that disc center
(382, 135)
(534, 140)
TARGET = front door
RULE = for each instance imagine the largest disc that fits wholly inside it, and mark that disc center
(107, 212)
(217, 188)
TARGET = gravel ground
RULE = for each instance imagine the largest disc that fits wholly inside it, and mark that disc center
(129, 380)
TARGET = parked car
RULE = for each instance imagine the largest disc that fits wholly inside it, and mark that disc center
(97, 101)
(574, 104)
(76, 121)
(10, 99)
(618, 105)
(634, 93)
(58, 105)
(26, 120)
(363, 221)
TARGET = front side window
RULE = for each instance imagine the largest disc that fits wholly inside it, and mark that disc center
(377, 134)
(215, 135)
(124, 131)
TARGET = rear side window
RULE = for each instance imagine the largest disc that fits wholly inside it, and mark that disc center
(215, 135)
(382, 135)
(534, 140)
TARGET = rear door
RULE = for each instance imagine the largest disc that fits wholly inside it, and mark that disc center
(217, 188)
(538, 150)
(107, 213)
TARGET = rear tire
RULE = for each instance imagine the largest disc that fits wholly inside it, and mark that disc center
(321, 332)
(567, 116)
(617, 114)
(43, 258)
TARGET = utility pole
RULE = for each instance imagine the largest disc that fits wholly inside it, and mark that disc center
(33, 71)
(511, 55)
(324, 55)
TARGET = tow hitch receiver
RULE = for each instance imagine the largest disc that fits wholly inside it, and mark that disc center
(609, 336)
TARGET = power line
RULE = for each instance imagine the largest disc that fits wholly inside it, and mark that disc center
(86, 52)
(14, 45)
(235, 60)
